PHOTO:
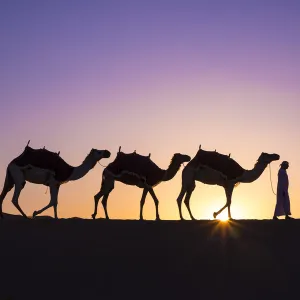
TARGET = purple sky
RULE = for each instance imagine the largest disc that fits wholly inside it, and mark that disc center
(152, 76)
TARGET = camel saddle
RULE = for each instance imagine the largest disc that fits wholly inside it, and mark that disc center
(45, 159)
(220, 162)
(134, 166)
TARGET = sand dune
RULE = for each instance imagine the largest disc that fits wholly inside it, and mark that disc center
(98, 259)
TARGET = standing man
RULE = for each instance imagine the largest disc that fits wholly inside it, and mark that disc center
(283, 199)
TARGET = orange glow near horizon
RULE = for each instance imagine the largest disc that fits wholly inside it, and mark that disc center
(223, 218)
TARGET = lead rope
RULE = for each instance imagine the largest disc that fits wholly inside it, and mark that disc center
(271, 180)
(101, 165)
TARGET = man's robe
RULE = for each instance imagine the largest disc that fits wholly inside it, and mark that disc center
(283, 200)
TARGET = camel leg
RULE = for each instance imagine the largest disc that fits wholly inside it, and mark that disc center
(104, 204)
(8, 185)
(155, 202)
(2, 196)
(145, 192)
(106, 187)
(15, 199)
(187, 202)
(55, 210)
(187, 187)
(53, 201)
(179, 201)
(219, 211)
(228, 192)
(97, 197)
(19, 180)
(189, 190)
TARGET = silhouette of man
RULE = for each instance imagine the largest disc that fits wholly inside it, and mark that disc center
(283, 199)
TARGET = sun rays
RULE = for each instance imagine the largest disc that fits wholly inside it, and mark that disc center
(223, 217)
(224, 230)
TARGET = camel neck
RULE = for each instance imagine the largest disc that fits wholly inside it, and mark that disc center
(252, 175)
(82, 169)
(171, 171)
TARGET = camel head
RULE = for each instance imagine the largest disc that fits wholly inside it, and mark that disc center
(267, 158)
(176, 162)
(180, 158)
(96, 155)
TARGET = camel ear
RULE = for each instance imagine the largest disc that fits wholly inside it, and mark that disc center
(28, 143)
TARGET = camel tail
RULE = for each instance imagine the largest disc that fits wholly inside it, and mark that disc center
(8, 185)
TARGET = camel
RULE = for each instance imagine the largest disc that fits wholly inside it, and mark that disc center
(213, 168)
(41, 166)
(137, 170)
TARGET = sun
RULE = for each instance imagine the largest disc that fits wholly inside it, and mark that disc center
(207, 211)
(223, 218)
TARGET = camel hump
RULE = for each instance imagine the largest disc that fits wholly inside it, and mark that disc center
(132, 163)
(220, 162)
(45, 159)
(132, 159)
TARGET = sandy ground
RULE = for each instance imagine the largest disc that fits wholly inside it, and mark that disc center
(128, 259)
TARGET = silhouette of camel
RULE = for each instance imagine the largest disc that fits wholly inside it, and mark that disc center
(138, 170)
(41, 166)
(217, 169)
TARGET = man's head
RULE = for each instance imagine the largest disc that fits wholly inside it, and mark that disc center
(284, 165)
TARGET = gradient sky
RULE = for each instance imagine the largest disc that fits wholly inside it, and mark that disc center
(152, 76)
